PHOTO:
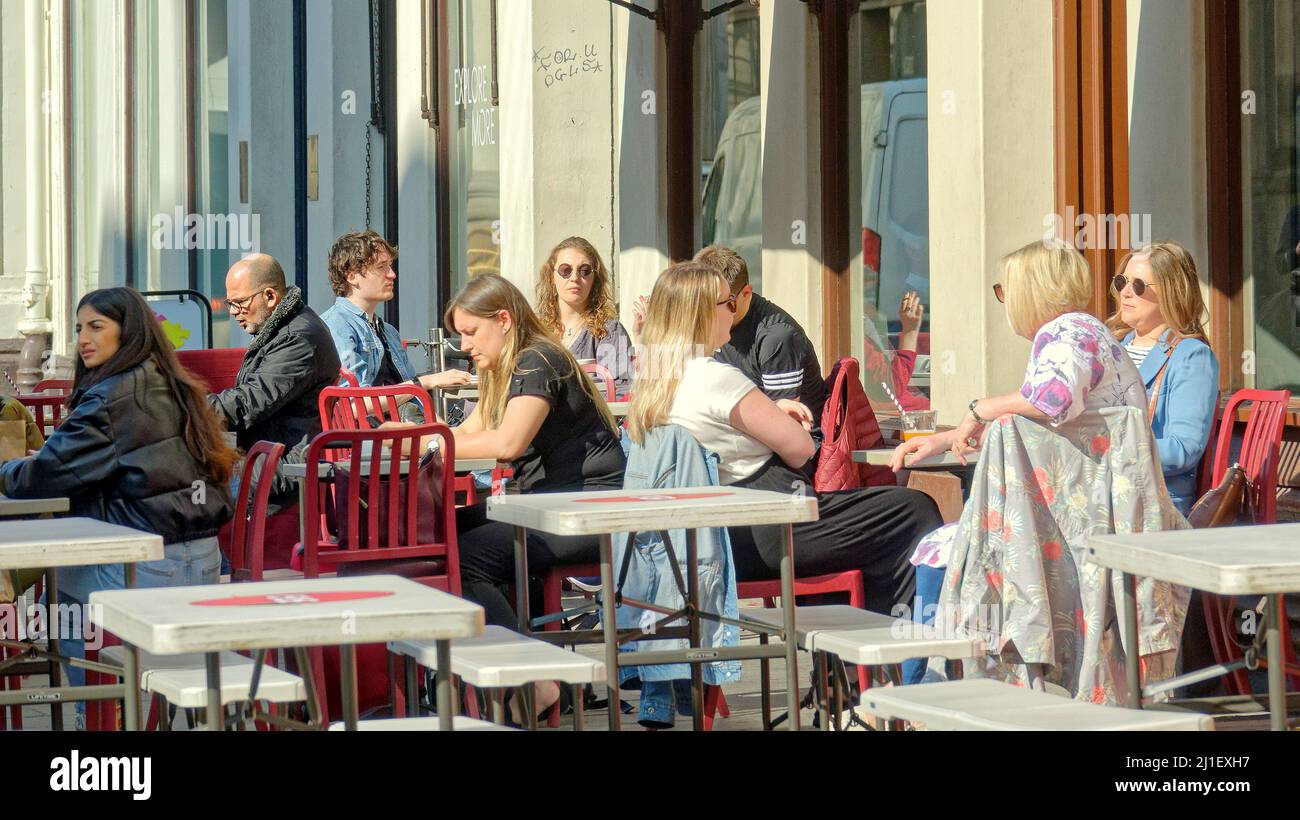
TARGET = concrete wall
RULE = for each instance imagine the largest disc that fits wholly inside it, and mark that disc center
(991, 183)
(13, 215)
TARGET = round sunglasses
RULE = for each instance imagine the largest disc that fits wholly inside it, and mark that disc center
(565, 271)
(1120, 281)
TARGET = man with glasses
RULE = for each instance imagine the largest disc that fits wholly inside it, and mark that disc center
(362, 276)
(768, 345)
(290, 360)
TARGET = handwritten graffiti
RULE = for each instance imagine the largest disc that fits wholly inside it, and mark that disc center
(560, 64)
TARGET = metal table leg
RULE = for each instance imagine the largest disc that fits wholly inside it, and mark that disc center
(1273, 615)
(610, 627)
(56, 671)
(412, 688)
(442, 684)
(216, 717)
(348, 685)
(1131, 649)
(131, 690)
(693, 622)
(521, 579)
(579, 695)
(791, 639)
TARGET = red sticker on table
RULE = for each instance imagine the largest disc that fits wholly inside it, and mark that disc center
(281, 598)
(621, 499)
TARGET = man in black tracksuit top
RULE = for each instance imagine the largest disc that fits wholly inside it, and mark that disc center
(768, 345)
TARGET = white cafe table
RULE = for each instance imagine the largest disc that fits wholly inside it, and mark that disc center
(296, 614)
(10, 507)
(51, 543)
(1255, 560)
(606, 512)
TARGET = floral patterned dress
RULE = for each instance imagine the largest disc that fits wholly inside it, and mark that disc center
(1016, 570)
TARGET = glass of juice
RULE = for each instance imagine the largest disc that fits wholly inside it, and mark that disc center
(918, 423)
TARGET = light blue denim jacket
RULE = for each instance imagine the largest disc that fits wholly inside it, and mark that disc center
(671, 458)
(359, 349)
(1189, 395)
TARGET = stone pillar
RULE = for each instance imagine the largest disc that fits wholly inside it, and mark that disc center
(991, 183)
(35, 325)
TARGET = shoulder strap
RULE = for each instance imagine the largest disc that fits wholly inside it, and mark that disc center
(1160, 377)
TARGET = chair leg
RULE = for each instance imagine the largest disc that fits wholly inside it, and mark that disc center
(553, 601)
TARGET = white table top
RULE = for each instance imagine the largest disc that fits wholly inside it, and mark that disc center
(31, 506)
(609, 511)
(465, 465)
(73, 542)
(1254, 560)
(945, 460)
(864, 637)
(275, 614)
(502, 657)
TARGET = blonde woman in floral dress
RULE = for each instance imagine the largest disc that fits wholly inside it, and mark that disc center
(1067, 455)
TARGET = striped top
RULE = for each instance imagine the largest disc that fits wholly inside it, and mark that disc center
(1137, 354)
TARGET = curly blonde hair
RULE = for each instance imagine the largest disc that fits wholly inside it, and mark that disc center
(599, 310)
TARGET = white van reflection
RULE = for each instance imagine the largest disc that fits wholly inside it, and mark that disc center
(895, 204)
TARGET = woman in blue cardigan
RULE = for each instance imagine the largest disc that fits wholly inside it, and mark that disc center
(1159, 320)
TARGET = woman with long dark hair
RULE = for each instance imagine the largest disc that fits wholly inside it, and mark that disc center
(140, 447)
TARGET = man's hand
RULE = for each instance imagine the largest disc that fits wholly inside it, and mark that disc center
(797, 411)
(639, 309)
(444, 380)
(910, 312)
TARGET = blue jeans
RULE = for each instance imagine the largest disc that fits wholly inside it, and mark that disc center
(929, 583)
(662, 699)
(184, 563)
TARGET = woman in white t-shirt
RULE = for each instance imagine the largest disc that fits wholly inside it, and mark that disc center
(762, 444)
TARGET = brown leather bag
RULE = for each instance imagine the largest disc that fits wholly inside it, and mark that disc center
(1225, 504)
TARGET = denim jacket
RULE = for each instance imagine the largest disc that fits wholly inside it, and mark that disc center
(1189, 395)
(671, 458)
(359, 349)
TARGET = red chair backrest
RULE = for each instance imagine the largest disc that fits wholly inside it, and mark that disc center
(602, 374)
(217, 368)
(1260, 446)
(347, 408)
(348, 378)
(57, 385)
(246, 543)
(385, 487)
(47, 410)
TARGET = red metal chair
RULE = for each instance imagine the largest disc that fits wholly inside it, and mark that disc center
(603, 376)
(350, 408)
(1258, 456)
(63, 386)
(47, 409)
(217, 368)
(322, 553)
(349, 377)
(247, 544)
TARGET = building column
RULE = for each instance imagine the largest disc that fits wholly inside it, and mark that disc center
(35, 325)
(991, 183)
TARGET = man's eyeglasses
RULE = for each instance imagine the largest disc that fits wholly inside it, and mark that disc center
(1120, 280)
(565, 271)
(242, 305)
(998, 292)
(730, 302)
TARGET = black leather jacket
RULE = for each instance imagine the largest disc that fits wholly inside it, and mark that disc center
(291, 359)
(120, 457)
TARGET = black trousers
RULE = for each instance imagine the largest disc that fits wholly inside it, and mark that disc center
(873, 530)
(487, 560)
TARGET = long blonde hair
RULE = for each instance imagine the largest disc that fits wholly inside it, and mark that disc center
(598, 311)
(1177, 286)
(678, 328)
(1043, 280)
(485, 296)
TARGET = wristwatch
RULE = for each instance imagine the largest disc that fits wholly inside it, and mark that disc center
(974, 414)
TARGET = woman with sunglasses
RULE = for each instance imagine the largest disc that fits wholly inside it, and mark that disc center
(1066, 456)
(1158, 318)
(576, 304)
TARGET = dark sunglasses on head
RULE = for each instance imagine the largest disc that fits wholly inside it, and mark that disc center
(1120, 280)
(565, 271)
(997, 291)
(730, 302)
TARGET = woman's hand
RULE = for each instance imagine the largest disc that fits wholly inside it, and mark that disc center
(444, 380)
(910, 312)
(797, 411)
(639, 309)
(921, 447)
(967, 432)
